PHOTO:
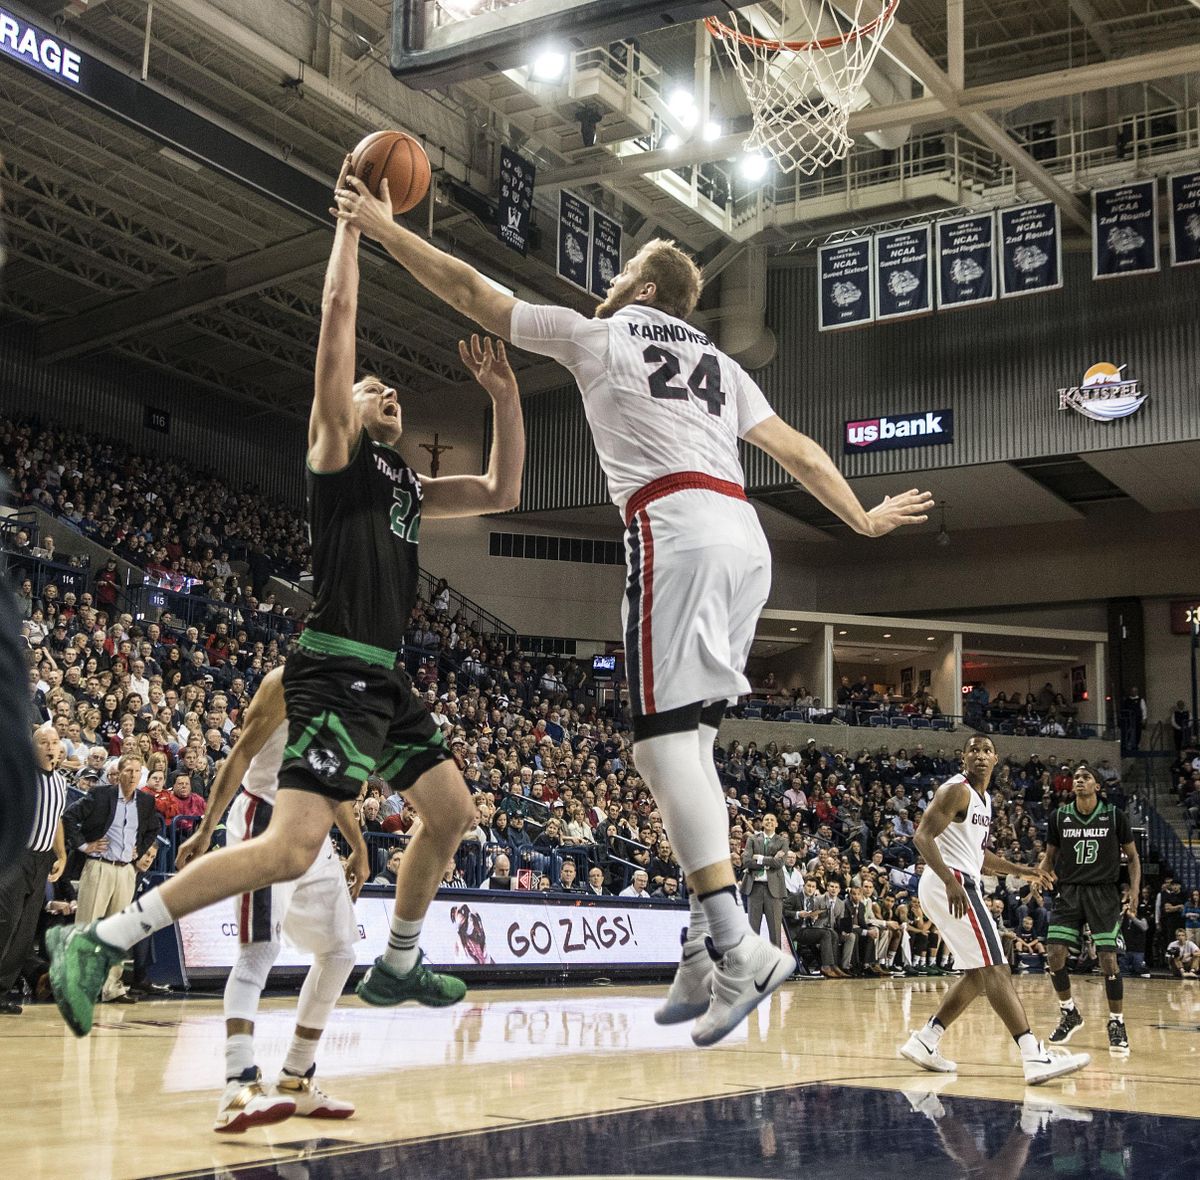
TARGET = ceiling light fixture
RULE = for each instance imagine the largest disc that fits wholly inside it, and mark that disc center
(930, 638)
(672, 142)
(793, 628)
(887, 635)
(549, 66)
(712, 130)
(754, 167)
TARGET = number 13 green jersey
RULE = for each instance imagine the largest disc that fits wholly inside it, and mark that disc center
(1089, 847)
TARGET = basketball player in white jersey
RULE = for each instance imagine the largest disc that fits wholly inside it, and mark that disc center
(315, 913)
(666, 410)
(952, 837)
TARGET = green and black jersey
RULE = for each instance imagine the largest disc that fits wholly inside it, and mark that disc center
(364, 521)
(1089, 847)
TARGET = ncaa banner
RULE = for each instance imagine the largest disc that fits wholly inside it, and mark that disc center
(516, 200)
(844, 277)
(927, 428)
(574, 239)
(966, 260)
(1030, 249)
(903, 285)
(1184, 195)
(606, 253)
(1125, 230)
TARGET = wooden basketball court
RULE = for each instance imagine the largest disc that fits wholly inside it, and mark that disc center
(580, 1081)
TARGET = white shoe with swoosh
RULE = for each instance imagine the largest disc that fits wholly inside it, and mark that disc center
(742, 978)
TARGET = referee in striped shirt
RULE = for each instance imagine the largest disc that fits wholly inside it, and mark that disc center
(23, 891)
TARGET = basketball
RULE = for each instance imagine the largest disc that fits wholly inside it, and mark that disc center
(400, 159)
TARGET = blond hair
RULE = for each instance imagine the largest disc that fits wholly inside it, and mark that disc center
(677, 279)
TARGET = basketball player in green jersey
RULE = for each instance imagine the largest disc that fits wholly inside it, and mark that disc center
(1084, 843)
(350, 705)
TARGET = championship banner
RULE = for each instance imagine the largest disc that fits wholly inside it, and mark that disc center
(606, 253)
(1125, 230)
(966, 260)
(1183, 192)
(470, 928)
(1030, 249)
(574, 239)
(903, 285)
(516, 200)
(844, 276)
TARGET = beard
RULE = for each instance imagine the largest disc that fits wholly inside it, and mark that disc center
(612, 303)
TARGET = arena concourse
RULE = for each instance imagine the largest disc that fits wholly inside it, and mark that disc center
(988, 294)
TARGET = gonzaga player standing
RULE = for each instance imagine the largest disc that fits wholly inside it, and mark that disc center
(666, 410)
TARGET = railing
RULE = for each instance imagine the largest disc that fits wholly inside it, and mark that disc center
(1173, 850)
(42, 573)
(192, 610)
(482, 620)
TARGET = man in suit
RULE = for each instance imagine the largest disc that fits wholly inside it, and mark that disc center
(810, 917)
(762, 877)
(595, 885)
(116, 828)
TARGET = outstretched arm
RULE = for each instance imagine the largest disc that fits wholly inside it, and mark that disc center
(499, 488)
(450, 279)
(807, 463)
(331, 422)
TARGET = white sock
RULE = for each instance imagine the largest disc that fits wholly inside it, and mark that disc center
(727, 923)
(1117, 1016)
(1067, 1005)
(1028, 1044)
(697, 922)
(403, 945)
(142, 917)
(239, 1055)
(300, 1056)
(932, 1033)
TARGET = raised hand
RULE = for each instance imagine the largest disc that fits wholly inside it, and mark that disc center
(910, 507)
(488, 364)
(358, 208)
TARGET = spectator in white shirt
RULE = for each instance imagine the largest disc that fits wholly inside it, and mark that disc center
(637, 887)
(793, 875)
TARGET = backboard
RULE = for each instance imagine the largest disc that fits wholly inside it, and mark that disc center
(435, 42)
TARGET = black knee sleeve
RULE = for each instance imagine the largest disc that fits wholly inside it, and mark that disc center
(1114, 988)
(649, 725)
(713, 714)
(1061, 980)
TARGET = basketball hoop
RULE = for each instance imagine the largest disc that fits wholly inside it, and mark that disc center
(802, 73)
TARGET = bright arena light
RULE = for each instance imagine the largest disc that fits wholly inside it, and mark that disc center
(712, 130)
(682, 104)
(549, 66)
(672, 142)
(754, 167)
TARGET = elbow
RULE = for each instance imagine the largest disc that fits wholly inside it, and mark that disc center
(506, 499)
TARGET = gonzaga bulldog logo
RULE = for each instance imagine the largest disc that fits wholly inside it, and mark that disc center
(1103, 395)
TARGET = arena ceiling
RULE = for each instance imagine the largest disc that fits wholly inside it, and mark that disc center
(119, 243)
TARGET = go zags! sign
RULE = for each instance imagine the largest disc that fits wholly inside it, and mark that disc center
(926, 429)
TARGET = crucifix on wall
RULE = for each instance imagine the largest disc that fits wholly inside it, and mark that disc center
(435, 450)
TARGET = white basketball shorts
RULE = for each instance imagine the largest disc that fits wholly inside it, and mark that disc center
(973, 938)
(314, 913)
(699, 572)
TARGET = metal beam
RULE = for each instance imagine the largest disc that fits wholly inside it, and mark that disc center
(166, 302)
(1090, 19)
(905, 48)
(995, 96)
(955, 39)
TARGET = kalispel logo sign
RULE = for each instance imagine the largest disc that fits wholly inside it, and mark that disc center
(1104, 394)
(889, 433)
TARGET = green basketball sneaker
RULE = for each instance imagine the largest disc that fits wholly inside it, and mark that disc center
(382, 987)
(79, 964)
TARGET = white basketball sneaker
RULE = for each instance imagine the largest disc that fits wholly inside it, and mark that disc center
(691, 989)
(917, 1050)
(1047, 1065)
(310, 1100)
(246, 1104)
(742, 978)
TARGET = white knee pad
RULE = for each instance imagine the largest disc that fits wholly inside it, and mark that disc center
(682, 782)
(244, 987)
(323, 987)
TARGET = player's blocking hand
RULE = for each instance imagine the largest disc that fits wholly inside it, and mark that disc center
(357, 207)
(911, 507)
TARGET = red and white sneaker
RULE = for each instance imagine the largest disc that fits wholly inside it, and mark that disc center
(245, 1104)
(311, 1102)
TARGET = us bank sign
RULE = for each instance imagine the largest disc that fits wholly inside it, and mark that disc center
(1103, 395)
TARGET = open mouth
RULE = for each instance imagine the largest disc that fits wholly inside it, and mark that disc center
(391, 410)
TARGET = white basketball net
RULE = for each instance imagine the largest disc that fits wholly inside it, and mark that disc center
(803, 70)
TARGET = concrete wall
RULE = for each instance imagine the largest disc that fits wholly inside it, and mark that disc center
(855, 738)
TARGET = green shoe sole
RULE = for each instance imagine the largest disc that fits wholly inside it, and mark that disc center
(74, 954)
